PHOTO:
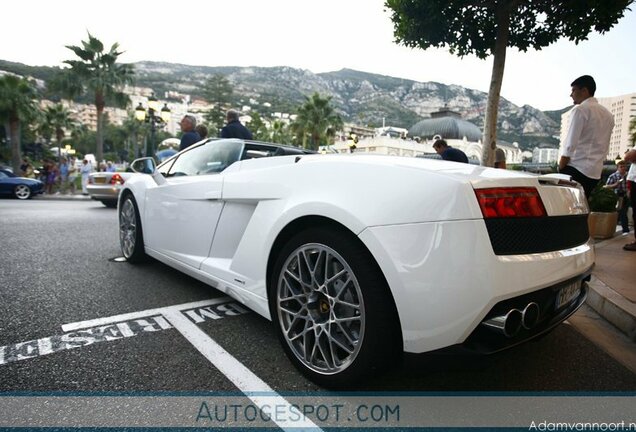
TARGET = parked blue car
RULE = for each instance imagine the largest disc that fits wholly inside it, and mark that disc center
(19, 187)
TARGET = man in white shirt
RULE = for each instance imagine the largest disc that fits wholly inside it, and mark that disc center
(587, 142)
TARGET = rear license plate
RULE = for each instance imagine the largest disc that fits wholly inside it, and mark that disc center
(99, 180)
(568, 293)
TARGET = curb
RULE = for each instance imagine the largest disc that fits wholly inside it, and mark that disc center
(62, 197)
(612, 306)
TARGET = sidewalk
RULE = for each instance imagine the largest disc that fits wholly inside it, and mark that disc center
(612, 288)
(69, 197)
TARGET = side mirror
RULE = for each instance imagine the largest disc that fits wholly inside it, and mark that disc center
(144, 165)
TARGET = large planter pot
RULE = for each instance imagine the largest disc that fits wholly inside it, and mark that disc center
(602, 225)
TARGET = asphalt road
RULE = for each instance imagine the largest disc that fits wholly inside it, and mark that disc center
(57, 268)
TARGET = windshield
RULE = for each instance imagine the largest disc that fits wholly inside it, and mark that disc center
(210, 158)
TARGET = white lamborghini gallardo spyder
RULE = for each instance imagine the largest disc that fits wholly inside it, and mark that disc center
(358, 258)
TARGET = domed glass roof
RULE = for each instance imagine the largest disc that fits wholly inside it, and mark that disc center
(448, 126)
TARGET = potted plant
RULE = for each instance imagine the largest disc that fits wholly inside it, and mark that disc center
(603, 216)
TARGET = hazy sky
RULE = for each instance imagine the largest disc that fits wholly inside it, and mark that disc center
(318, 35)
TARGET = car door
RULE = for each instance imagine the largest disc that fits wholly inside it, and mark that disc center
(181, 215)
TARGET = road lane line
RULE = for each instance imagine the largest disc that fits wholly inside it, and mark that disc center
(140, 314)
(243, 378)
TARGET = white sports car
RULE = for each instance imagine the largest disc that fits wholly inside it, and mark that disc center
(359, 258)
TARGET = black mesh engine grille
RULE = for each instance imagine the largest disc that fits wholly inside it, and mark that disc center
(515, 236)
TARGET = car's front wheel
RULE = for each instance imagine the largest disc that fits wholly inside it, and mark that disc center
(332, 308)
(22, 192)
(130, 234)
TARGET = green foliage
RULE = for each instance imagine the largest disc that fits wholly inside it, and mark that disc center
(17, 108)
(57, 120)
(316, 123)
(281, 133)
(469, 27)
(258, 128)
(602, 199)
(487, 28)
(97, 73)
(215, 118)
(217, 90)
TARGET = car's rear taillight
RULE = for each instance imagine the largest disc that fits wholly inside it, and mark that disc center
(510, 202)
(116, 179)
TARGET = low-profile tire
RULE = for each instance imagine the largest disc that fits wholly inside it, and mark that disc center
(131, 239)
(110, 203)
(22, 192)
(332, 308)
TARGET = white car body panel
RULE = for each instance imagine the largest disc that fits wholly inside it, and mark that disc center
(419, 218)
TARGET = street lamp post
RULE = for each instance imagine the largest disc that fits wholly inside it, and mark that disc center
(152, 116)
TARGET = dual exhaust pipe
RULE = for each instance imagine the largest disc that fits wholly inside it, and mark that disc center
(510, 323)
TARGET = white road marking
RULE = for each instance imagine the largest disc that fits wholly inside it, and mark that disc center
(140, 314)
(243, 378)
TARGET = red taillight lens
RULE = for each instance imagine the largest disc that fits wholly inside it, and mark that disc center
(510, 202)
(116, 179)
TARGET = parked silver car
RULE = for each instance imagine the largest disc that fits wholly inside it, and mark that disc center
(105, 186)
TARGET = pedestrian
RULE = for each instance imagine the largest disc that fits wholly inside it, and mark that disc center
(51, 177)
(234, 128)
(588, 137)
(500, 158)
(202, 131)
(64, 168)
(190, 136)
(23, 167)
(618, 182)
(26, 169)
(110, 167)
(85, 169)
(72, 174)
(630, 156)
(449, 153)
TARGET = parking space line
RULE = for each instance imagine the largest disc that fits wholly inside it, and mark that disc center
(254, 388)
(140, 314)
(243, 378)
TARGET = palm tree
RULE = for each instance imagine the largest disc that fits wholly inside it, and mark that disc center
(98, 73)
(59, 120)
(17, 106)
(281, 133)
(317, 122)
(632, 130)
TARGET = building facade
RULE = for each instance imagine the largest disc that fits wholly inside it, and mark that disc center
(545, 155)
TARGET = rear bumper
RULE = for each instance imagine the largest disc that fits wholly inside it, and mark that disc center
(484, 340)
(446, 279)
(104, 192)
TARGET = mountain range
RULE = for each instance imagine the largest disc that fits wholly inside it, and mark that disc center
(359, 97)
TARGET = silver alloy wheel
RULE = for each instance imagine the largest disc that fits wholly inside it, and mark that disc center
(320, 308)
(127, 228)
(22, 192)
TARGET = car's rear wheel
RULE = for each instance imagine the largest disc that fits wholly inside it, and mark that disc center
(130, 234)
(22, 192)
(332, 308)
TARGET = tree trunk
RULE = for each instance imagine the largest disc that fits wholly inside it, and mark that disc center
(499, 61)
(59, 135)
(14, 132)
(99, 150)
